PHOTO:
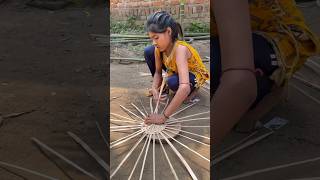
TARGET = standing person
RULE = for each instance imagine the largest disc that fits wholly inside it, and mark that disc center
(182, 63)
(257, 46)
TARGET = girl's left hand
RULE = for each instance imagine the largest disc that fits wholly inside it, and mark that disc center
(155, 119)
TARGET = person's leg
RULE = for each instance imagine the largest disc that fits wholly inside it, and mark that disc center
(173, 81)
(263, 57)
(150, 59)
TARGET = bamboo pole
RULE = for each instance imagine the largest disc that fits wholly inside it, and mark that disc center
(94, 155)
(183, 145)
(250, 173)
(5, 164)
(184, 162)
(44, 146)
(127, 156)
(167, 157)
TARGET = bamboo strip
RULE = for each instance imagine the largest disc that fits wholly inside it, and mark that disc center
(151, 104)
(178, 112)
(5, 164)
(137, 161)
(125, 140)
(138, 110)
(244, 145)
(194, 177)
(144, 108)
(189, 133)
(145, 157)
(115, 130)
(250, 173)
(94, 155)
(127, 156)
(154, 158)
(187, 120)
(189, 138)
(193, 115)
(39, 143)
(187, 147)
(167, 157)
(123, 117)
(127, 110)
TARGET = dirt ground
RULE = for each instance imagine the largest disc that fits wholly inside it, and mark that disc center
(298, 140)
(48, 63)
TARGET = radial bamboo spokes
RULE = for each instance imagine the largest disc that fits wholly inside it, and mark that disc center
(145, 157)
(128, 111)
(189, 126)
(187, 120)
(124, 129)
(151, 104)
(127, 156)
(137, 161)
(197, 114)
(185, 146)
(169, 162)
(183, 109)
(181, 158)
(165, 106)
(188, 132)
(143, 115)
(131, 122)
(188, 138)
(125, 139)
(144, 108)
(118, 115)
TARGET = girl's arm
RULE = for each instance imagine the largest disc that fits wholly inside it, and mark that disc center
(237, 89)
(183, 91)
(157, 78)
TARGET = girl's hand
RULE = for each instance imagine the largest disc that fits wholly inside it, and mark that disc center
(155, 119)
(155, 94)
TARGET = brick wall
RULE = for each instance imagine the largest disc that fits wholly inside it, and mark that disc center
(198, 10)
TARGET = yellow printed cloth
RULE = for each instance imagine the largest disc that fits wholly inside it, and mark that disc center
(283, 25)
(195, 63)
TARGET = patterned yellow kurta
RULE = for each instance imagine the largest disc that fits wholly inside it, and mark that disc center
(283, 25)
(195, 63)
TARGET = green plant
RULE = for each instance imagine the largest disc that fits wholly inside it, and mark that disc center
(197, 27)
(128, 26)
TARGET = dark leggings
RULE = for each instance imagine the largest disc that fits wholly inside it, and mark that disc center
(263, 57)
(173, 80)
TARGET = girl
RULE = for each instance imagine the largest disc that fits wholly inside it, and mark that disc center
(182, 63)
(257, 46)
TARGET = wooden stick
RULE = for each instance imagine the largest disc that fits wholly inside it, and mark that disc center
(161, 90)
(167, 157)
(42, 145)
(194, 177)
(187, 120)
(308, 83)
(154, 158)
(144, 108)
(127, 156)
(188, 138)
(94, 155)
(250, 173)
(138, 110)
(192, 115)
(189, 132)
(137, 161)
(178, 112)
(306, 94)
(189, 126)
(234, 145)
(145, 157)
(118, 115)
(127, 110)
(200, 155)
(5, 164)
(126, 129)
(151, 106)
(116, 143)
(244, 145)
(101, 134)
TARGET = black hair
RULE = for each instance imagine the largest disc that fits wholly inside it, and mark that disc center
(158, 22)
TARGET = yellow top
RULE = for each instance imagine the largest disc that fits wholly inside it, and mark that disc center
(195, 63)
(283, 25)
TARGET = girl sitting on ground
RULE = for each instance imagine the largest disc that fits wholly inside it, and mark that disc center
(184, 68)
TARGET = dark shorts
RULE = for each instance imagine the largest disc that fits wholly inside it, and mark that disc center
(264, 56)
